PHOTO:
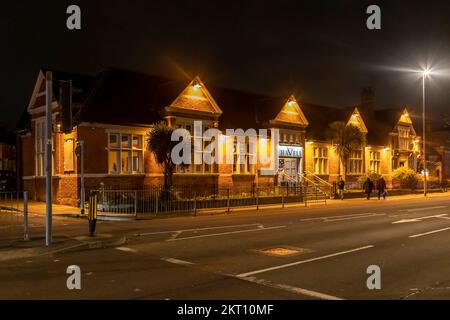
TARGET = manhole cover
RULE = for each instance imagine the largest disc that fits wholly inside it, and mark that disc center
(284, 251)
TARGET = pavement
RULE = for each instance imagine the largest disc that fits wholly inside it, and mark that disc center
(316, 252)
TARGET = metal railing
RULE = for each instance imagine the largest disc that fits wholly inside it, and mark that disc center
(155, 200)
(320, 183)
(14, 210)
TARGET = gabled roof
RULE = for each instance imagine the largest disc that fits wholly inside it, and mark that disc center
(195, 98)
(130, 98)
(291, 114)
(386, 121)
(357, 121)
(81, 85)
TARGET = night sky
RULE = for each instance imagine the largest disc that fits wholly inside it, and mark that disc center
(320, 50)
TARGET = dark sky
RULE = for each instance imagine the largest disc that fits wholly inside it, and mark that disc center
(321, 50)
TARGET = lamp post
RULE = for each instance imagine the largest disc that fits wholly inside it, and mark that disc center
(425, 74)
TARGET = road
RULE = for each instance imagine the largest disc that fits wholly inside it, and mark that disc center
(320, 252)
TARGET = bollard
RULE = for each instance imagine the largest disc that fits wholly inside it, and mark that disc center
(228, 200)
(92, 213)
(195, 202)
(25, 216)
(282, 198)
(257, 200)
(135, 203)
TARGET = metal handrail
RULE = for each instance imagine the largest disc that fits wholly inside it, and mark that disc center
(318, 178)
(327, 189)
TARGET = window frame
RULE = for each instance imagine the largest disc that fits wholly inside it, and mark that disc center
(356, 161)
(119, 149)
(375, 161)
(320, 160)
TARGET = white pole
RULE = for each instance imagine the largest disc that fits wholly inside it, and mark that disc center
(48, 160)
(424, 137)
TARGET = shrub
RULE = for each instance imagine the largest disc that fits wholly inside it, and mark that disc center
(372, 176)
(406, 176)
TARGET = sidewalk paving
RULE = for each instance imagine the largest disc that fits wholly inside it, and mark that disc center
(38, 208)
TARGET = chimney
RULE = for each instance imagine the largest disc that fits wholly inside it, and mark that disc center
(367, 103)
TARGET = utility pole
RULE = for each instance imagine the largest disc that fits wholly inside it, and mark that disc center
(424, 75)
(48, 159)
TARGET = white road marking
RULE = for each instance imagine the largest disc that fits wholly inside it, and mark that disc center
(177, 261)
(419, 218)
(225, 233)
(198, 229)
(126, 249)
(423, 209)
(292, 289)
(341, 216)
(247, 274)
(429, 232)
(358, 217)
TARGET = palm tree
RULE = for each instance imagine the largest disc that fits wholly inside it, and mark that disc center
(345, 140)
(160, 144)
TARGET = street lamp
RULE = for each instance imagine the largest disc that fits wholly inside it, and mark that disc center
(425, 73)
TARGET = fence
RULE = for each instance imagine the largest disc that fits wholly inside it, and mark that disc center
(396, 185)
(14, 210)
(155, 200)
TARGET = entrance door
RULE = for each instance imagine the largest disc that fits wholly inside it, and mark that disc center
(290, 168)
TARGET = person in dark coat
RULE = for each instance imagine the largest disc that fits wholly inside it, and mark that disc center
(341, 186)
(368, 187)
(381, 188)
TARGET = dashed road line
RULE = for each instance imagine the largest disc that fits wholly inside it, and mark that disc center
(285, 287)
(287, 265)
(197, 229)
(353, 216)
(178, 261)
(263, 282)
(225, 233)
(419, 219)
(423, 209)
(126, 249)
(358, 217)
(429, 232)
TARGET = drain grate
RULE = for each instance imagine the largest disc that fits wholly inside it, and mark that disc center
(283, 251)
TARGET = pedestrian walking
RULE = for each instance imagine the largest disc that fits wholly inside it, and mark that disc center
(341, 186)
(368, 187)
(381, 188)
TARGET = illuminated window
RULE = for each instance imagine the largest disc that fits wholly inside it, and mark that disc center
(68, 155)
(374, 161)
(355, 162)
(40, 146)
(125, 153)
(203, 168)
(244, 157)
(403, 138)
(320, 160)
